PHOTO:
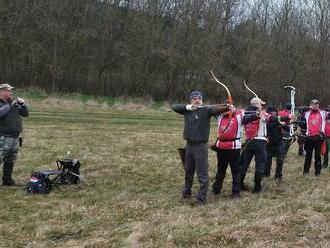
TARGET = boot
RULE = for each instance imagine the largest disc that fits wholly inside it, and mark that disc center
(9, 182)
(7, 174)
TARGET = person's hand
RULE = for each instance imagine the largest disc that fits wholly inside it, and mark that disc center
(292, 117)
(14, 103)
(191, 107)
(231, 107)
(20, 101)
(263, 115)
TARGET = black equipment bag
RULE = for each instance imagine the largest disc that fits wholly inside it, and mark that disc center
(70, 171)
(39, 183)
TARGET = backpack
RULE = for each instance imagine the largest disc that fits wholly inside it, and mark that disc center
(39, 183)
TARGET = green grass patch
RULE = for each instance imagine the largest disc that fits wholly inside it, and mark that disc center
(134, 176)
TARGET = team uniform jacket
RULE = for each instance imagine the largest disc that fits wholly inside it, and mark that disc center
(255, 127)
(327, 126)
(230, 131)
(315, 122)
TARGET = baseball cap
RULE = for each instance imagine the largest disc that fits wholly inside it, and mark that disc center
(314, 101)
(256, 101)
(6, 86)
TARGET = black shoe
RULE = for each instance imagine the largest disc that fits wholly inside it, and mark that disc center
(244, 187)
(216, 190)
(185, 198)
(256, 190)
(278, 179)
(305, 174)
(234, 195)
(198, 203)
(10, 182)
(317, 174)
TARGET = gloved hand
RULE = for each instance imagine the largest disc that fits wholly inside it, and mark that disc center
(231, 107)
(191, 107)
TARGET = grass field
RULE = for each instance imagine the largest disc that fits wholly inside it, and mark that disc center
(134, 176)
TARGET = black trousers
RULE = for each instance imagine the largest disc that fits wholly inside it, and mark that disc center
(225, 157)
(277, 151)
(196, 159)
(286, 145)
(310, 145)
(301, 145)
(256, 148)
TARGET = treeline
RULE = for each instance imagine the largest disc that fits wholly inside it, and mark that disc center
(164, 48)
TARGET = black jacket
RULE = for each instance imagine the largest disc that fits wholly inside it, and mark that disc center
(250, 116)
(11, 118)
(275, 130)
(196, 123)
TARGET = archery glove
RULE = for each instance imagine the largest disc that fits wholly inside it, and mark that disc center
(191, 107)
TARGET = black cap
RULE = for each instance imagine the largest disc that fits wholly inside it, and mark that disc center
(271, 109)
(288, 106)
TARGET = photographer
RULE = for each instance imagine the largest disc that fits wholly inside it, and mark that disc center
(11, 113)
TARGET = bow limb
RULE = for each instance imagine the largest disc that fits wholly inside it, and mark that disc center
(247, 87)
(293, 106)
(229, 99)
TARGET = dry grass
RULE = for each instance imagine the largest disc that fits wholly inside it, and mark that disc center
(130, 161)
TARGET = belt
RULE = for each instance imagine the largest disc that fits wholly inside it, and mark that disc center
(228, 140)
(196, 143)
(10, 135)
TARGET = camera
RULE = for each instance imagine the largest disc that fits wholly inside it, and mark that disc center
(15, 103)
